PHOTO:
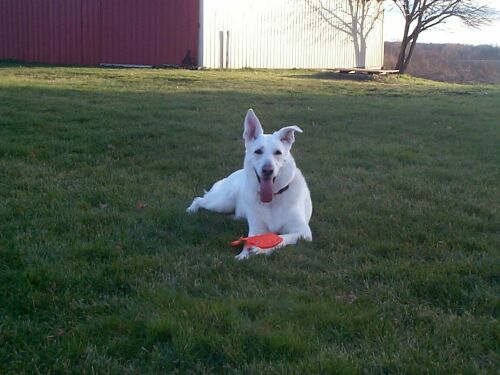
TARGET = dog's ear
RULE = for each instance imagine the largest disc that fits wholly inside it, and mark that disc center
(287, 134)
(252, 126)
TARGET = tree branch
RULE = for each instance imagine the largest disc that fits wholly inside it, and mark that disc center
(421, 15)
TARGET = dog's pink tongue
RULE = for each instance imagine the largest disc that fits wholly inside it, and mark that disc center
(266, 190)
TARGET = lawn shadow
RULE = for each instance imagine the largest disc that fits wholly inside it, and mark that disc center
(338, 76)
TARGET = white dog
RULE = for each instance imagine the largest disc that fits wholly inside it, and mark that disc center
(270, 191)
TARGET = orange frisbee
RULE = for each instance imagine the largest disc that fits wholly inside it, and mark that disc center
(262, 241)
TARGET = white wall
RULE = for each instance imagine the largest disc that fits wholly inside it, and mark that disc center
(281, 34)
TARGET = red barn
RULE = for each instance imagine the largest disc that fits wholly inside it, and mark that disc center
(92, 32)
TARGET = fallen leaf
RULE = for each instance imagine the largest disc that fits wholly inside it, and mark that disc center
(140, 205)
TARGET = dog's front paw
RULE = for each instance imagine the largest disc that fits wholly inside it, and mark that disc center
(245, 254)
(248, 252)
(256, 251)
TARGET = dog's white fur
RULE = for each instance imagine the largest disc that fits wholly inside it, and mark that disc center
(266, 156)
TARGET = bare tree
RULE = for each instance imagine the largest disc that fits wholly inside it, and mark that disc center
(355, 18)
(421, 15)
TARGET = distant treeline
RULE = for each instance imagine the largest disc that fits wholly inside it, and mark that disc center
(450, 62)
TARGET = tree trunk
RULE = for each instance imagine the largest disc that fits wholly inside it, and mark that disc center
(401, 58)
(410, 53)
(404, 45)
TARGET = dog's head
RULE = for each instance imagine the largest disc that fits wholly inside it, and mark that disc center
(267, 154)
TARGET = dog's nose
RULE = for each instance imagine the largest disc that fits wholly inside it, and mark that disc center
(267, 171)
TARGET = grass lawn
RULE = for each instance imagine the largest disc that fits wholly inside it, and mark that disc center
(101, 270)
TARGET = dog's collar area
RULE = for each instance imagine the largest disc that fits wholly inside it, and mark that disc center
(282, 190)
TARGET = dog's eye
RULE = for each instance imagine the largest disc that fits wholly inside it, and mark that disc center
(277, 152)
(258, 152)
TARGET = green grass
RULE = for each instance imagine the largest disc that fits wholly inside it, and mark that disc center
(402, 275)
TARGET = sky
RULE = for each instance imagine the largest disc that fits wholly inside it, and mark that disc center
(452, 32)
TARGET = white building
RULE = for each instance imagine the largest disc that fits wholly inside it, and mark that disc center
(277, 34)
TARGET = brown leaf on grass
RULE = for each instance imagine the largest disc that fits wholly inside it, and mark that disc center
(140, 205)
(58, 333)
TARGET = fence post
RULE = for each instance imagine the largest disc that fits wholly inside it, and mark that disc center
(221, 56)
(227, 50)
